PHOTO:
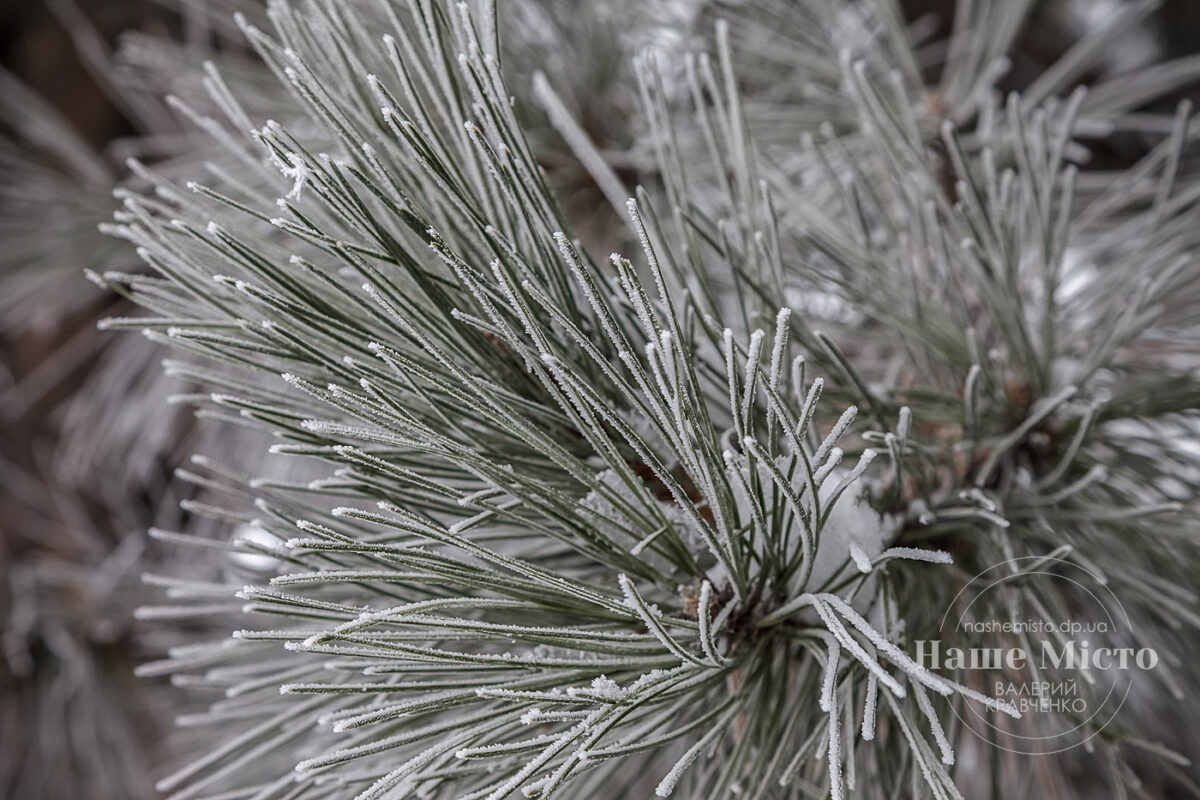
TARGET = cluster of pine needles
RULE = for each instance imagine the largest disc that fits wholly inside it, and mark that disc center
(510, 516)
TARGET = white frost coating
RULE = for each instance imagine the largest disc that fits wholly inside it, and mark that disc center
(838, 430)
(650, 614)
(596, 502)
(860, 557)
(836, 788)
(918, 554)
(895, 654)
(868, 722)
(298, 171)
(602, 688)
(938, 733)
(667, 785)
(703, 611)
(829, 678)
(846, 640)
(831, 463)
(850, 522)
